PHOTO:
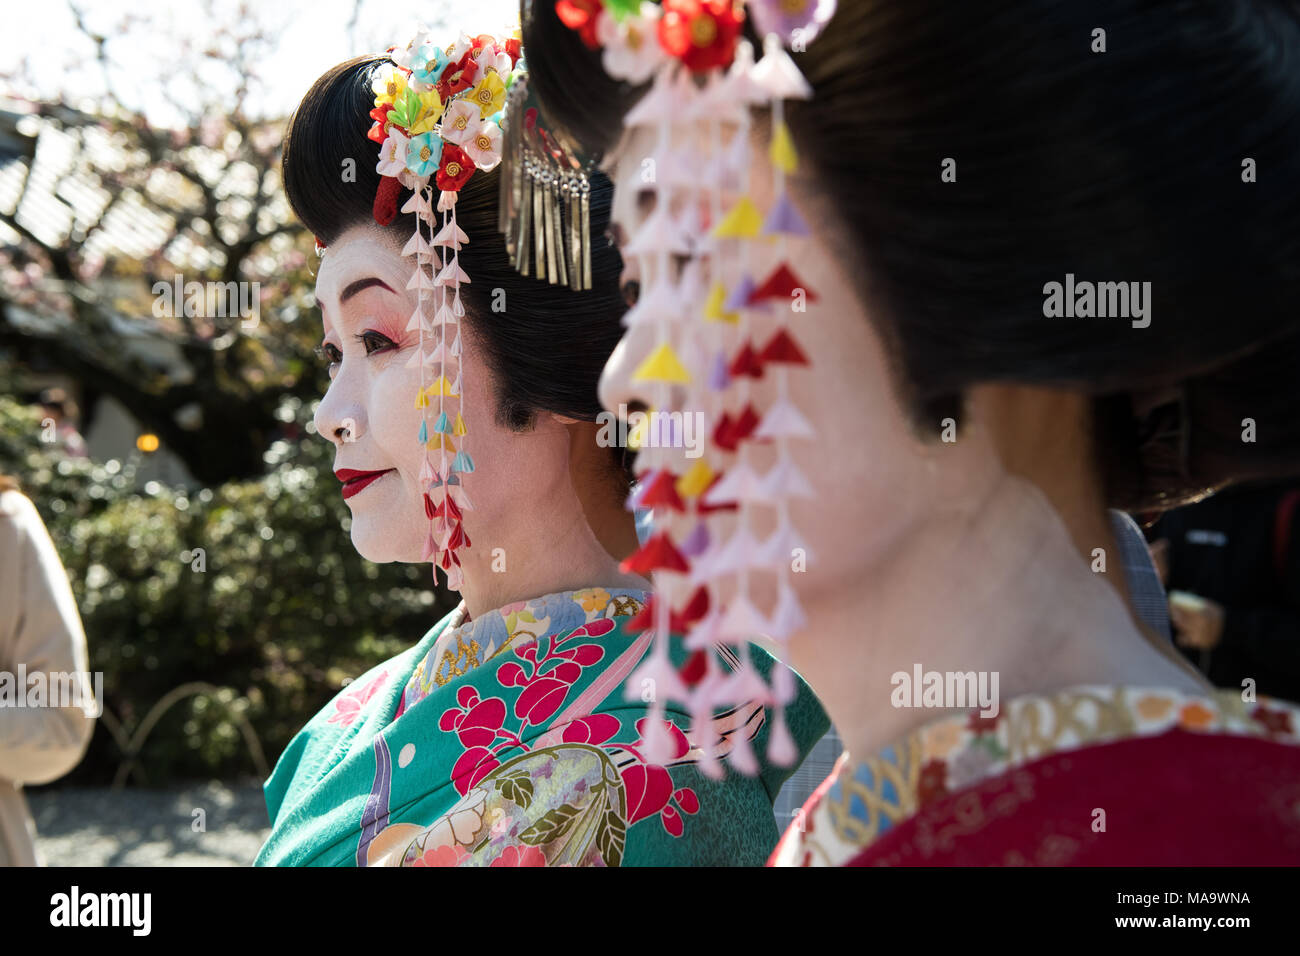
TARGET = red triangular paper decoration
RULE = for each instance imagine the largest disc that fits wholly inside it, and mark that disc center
(780, 284)
(696, 666)
(722, 433)
(745, 423)
(662, 492)
(678, 623)
(783, 348)
(656, 554)
(696, 607)
(642, 620)
(746, 362)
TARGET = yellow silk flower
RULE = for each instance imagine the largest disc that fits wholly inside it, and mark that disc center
(418, 112)
(389, 83)
(490, 94)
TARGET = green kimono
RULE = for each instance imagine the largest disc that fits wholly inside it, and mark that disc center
(513, 740)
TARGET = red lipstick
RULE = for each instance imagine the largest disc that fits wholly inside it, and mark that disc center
(354, 480)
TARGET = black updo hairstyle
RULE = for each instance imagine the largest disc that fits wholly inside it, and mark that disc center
(1125, 165)
(547, 349)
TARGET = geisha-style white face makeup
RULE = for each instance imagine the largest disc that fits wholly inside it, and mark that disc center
(864, 459)
(528, 524)
(369, 410)
(370, 415)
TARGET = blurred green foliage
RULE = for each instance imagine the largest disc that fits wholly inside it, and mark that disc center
(284, 612)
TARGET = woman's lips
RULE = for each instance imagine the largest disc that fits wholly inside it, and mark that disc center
(354, 480)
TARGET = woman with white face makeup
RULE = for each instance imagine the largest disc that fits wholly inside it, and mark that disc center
(511, 733)
(967, 189)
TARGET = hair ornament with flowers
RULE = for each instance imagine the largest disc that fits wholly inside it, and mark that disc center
(438, 118)
(705, 82)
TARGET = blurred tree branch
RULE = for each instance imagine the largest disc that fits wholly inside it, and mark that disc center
(207, 196)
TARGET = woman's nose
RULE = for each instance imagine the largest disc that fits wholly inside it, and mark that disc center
(629, 281)
(336, 419)
(617, 387)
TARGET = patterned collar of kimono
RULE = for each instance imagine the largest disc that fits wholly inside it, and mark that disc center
(522, 743)
(862, 799)
(465, 644)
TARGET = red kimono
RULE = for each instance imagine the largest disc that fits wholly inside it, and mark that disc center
(1090, 776)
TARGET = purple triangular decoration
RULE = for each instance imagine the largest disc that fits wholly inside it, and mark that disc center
(696, 542)
(740, 294)
(718, 377)
(784, 217)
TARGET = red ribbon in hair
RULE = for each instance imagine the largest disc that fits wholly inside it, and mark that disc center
(385, 210)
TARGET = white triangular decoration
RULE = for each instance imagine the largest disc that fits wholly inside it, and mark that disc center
(783, 420)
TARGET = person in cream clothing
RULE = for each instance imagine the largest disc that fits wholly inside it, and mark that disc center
(40, 632)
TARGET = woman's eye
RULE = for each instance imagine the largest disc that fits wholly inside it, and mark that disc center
(646, 200)
(371, 340)
(631, 292)
(374, 341)
(329, 354)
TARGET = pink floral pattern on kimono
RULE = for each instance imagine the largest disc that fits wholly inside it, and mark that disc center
(350, 705)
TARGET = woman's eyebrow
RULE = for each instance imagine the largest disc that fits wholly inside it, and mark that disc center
(352, 288)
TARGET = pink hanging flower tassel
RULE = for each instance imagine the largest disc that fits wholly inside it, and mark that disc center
(780, 745)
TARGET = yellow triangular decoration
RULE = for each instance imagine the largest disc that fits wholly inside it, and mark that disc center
(662, 366)
(695, 480)
(782, 151)
(441, 441)
(440, 387)
(459, 428)
(637, 434)
(421, 399)
(713, 306)
(742, 221)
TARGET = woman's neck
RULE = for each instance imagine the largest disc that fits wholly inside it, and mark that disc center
(990, 583)
(551, 550)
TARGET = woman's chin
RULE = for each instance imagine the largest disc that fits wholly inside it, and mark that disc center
(383, 544)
